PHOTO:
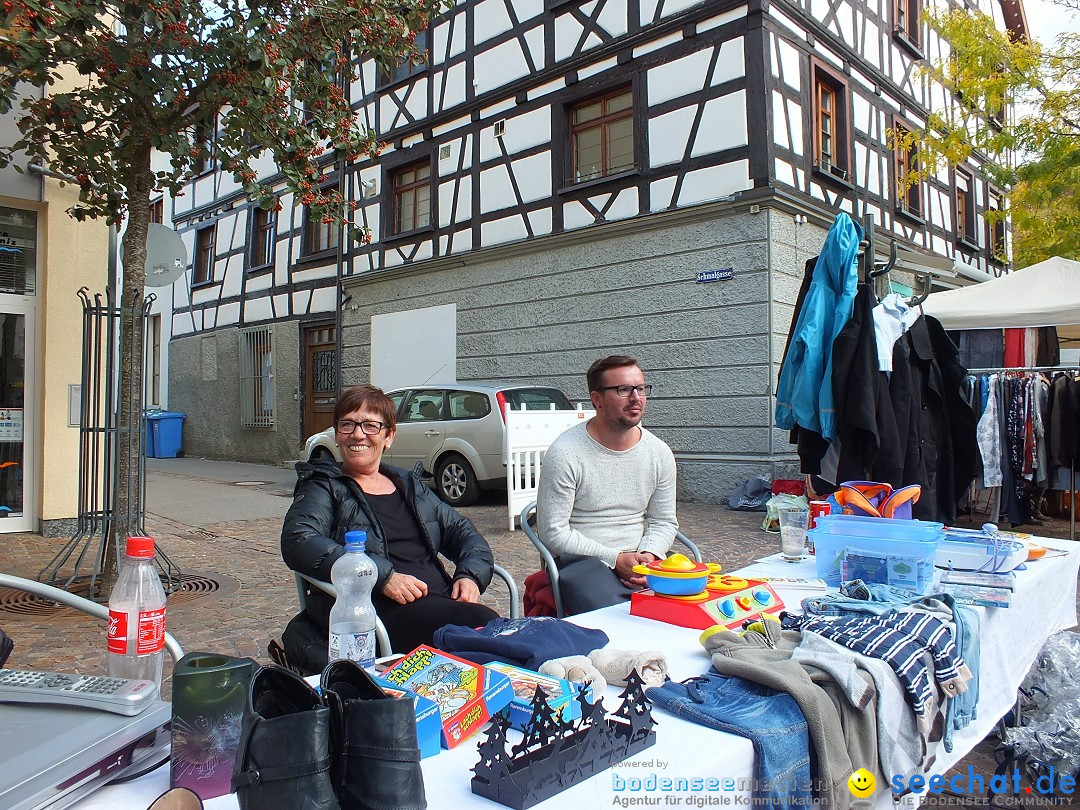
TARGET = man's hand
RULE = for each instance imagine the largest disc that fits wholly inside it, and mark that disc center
(465, 590)
(404, 588)
(624, 567)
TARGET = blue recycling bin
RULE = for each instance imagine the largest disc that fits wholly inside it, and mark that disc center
(148, 434)
(166, 433)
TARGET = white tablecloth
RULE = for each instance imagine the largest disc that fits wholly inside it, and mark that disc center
(1044, 602)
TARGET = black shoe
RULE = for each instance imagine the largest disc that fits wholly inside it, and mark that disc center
(283, 761)
(376, 758)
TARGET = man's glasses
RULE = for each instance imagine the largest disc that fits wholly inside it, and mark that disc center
(369, 426)
(624, 390)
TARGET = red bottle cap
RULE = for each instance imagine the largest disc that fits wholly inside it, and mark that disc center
(140, 547)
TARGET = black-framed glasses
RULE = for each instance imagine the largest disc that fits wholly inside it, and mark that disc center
(624, 390)
(369, 426)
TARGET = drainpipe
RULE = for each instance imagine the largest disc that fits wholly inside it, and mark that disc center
(44, 171)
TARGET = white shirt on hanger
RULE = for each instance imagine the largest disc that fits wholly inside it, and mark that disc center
(892, 317)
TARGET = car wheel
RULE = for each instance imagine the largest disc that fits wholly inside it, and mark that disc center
(321, 454)
(455, 481)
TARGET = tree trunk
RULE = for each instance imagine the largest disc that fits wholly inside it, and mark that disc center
(127, 481)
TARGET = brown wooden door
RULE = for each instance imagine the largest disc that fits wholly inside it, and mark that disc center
(320, 377)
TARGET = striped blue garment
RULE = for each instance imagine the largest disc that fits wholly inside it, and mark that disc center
(900, 639)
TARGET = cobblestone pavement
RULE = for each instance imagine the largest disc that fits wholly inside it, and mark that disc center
(257, 596)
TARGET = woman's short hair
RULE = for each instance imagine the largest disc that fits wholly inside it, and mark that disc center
(368, 397)
(595, 375)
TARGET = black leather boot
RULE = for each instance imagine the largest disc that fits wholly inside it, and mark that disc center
(283, 762)
(373, 738)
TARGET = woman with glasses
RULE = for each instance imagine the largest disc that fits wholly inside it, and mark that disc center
(407, 527)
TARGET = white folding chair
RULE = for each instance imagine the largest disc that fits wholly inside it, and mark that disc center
(72, 600)
(547, 562)
(382, 638)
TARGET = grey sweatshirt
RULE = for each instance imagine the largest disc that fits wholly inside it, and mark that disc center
(599, 502)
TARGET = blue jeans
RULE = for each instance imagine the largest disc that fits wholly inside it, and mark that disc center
(771, 720)
(861, 598)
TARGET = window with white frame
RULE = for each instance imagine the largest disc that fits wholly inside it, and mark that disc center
(995, 226)
(256, 377)
(153, 362)
(965, 208)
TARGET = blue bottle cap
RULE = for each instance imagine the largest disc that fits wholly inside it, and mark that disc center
(357, 538)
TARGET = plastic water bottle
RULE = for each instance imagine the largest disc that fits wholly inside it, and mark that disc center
(136, 645)
(352, 618)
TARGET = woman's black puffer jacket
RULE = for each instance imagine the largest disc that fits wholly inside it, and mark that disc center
(327, 503)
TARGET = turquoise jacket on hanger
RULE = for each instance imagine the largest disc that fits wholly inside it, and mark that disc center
(804, 395)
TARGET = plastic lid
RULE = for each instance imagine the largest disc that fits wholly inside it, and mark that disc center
(140, 547)
(356, 540)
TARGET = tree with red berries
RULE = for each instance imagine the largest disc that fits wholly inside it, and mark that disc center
(254, 78)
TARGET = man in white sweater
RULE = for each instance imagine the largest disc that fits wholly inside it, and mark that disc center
(606, 499)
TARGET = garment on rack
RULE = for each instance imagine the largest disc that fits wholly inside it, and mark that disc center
(989, 438)
(804, 394)
(1041, 413)
(1049, 353)
(862, 397)
(892, 317)
(981, 348)
(1031, 345)
(1014, 349)
(1064, 421)
(931, 439)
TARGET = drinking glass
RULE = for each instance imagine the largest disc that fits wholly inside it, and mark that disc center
(793, 533)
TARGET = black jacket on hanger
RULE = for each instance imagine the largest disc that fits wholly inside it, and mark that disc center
(933, 442)
(863, 404)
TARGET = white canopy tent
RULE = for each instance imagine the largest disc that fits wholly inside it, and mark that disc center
(1044, 294)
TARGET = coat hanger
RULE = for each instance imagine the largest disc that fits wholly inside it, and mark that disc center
(914, 302)
(886, 268)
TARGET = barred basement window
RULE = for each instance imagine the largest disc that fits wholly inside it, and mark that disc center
(256, 377)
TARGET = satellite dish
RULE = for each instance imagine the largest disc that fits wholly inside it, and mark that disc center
(166, 255)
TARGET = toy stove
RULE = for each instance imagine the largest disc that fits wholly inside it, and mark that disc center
(713, 598)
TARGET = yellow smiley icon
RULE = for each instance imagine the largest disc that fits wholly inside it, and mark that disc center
(862, 783)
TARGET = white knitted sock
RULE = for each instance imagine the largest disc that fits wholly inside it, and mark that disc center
(615, 665)
(578, 669)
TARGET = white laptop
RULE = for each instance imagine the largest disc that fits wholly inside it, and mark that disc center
(51, 756)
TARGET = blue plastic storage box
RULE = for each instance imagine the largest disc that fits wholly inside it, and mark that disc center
(895, 552)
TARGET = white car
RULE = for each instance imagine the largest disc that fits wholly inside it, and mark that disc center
(455, 431)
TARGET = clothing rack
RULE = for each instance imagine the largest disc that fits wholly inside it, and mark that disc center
(1072, 467)
(1021, 369)
(870, 268)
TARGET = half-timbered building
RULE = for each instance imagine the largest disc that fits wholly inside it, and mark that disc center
(564, 180)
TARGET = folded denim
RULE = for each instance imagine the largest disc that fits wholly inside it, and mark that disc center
(860, 598)
(771, 720)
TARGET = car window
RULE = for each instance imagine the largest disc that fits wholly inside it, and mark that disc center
(396, 399)
(468, 404)
(538, 399)
(424, 405)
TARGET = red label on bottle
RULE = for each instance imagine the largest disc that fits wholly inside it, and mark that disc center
(117, 632)
(151, 638)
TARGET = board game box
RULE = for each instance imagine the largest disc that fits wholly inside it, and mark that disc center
(562, 695)
(467, 694)
(428, 720)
